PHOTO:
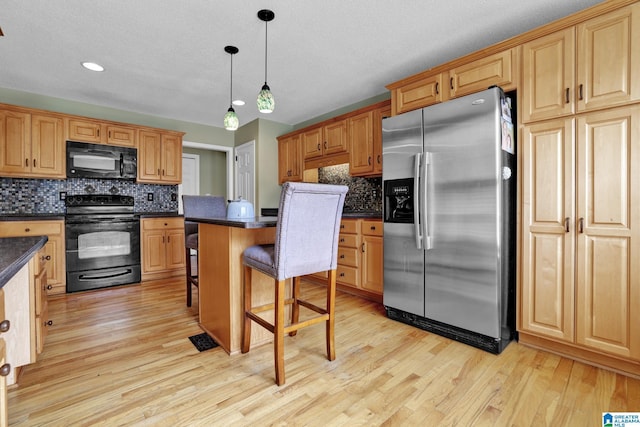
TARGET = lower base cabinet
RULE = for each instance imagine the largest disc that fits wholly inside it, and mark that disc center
(360, 258)
(4, 407)
(163, 250)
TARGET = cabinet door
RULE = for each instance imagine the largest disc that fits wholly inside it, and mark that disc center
(335, 138)
(175, 249)
(122, 136)
(56, 268)
(424, 92)
(609, 59)
(372, 262)
(15, 143)
(289, 159)
(548, 72)
(84, 130)
(361, 157)
(498, 69)
(149, 156)
(608, 271)
(47, 146)
(378, 115)
(548, 229)
(153, 251)
(171, 159)
(312, 143)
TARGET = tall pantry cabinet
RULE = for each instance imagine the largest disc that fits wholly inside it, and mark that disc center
(580, 150)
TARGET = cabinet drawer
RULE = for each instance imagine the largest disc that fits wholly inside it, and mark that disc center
(372, 228)
(30, 228)
(162, 223)
(347, 275)
(349, 226)
(348, 256)
(348, 240)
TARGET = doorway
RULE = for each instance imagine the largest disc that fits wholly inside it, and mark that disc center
(245, 171)
(190, 178)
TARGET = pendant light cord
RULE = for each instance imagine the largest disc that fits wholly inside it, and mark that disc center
(231, 85)
(266, 24)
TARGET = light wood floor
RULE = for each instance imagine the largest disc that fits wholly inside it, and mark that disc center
(122, 357)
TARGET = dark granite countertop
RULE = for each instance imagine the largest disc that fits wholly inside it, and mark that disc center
(31, 217)
(365, 215)
(158, 214)
(15, 252)
(257, 222)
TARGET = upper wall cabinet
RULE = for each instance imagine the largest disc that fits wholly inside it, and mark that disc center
(159, 157)
(100, 133)
(325, 140)
(605, 73)
(289, 159)
(450, 82)
(365, 137)
(31, 145)
(499, 70)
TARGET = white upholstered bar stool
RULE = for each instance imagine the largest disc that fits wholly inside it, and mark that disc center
(306, 242)
(198, 207)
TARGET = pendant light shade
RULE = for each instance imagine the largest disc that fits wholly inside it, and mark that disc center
(231, 121)
(266, 103)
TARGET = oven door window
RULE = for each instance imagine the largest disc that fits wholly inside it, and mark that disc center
(104, 244)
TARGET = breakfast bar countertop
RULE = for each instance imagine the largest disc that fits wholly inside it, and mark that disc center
(16, 252)
(257, 222)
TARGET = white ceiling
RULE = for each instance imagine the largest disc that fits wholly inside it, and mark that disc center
(166, 57)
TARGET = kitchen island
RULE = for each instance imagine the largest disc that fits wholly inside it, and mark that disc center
(221, 242)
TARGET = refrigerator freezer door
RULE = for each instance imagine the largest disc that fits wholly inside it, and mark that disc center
(403, 260)
(462, 266)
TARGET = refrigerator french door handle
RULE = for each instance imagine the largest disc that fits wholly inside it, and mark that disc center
(426, 237)
(417, 215)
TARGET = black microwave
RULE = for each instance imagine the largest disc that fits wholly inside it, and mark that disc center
(86, 160)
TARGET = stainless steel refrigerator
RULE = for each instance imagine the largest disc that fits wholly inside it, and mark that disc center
(449, 183)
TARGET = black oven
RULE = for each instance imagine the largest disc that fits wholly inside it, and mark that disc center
(102, 242)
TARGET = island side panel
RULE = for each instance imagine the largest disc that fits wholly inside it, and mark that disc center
(220, 249)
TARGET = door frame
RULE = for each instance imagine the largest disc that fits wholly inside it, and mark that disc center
(230, 161)
(252, 146)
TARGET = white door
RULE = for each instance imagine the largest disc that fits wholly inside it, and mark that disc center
(245, 171)
(190, 177)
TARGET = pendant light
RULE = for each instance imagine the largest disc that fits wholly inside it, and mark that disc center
(265, 102)
(231, 119)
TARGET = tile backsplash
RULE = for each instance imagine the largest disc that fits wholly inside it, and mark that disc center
(365, 194)
(43, 196)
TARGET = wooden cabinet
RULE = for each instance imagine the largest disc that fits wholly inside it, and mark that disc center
(372, 256)
(581, 236)
(38, 269)
(348, 271)
(325, 140)
(53, 249)
(31, 145)
(455, 80)
(360, 257)
(499, 69)
(4, 368)
(289, 159)
(604, 75)
(99, 132)
(159, 157)
(365, 137)
(163, 249)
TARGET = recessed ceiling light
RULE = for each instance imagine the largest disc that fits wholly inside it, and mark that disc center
(238, 102)
(92, 66)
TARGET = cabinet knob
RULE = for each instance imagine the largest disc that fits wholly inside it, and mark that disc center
(5, 325)
(27, 230)
(5, 370)
(341, 274)
(341, 256)
(373, 227)
(49, 287)
(48, 323)
(342, 240)
(48, 257)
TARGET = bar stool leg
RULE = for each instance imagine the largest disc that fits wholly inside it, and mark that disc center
(295, 307)
(331, 307)
(188, 271)
(246, 324)
(278, 333)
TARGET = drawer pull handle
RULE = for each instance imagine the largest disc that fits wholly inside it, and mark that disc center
(5, 370)
(363, 248)
(566, 225)
(566, 96)
(5, 325)
(373, 227)
(27, 230)
(581, 225)
(580, 97)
